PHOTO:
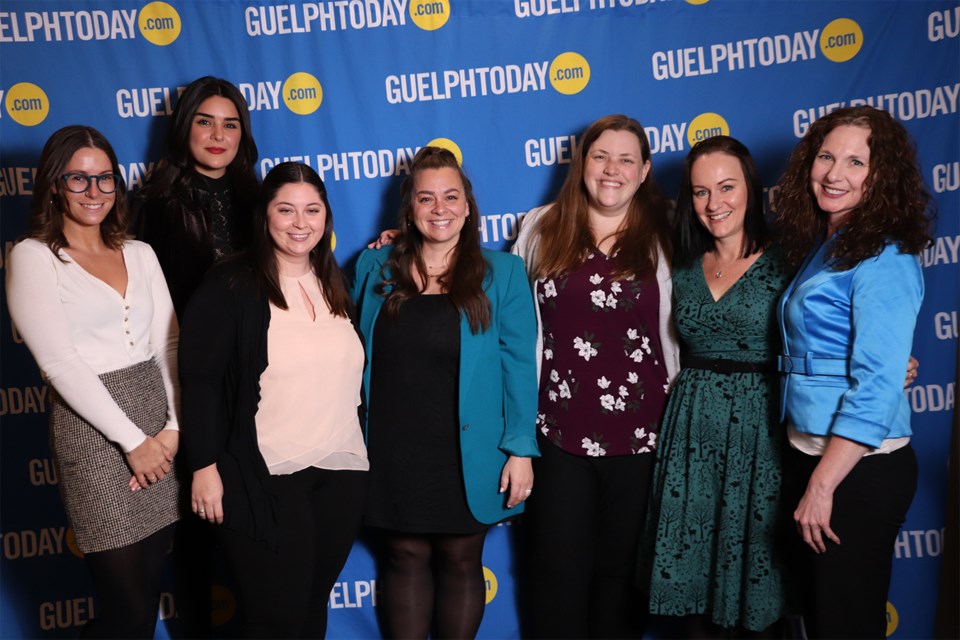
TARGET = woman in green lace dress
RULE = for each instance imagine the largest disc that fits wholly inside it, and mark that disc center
(711, 551)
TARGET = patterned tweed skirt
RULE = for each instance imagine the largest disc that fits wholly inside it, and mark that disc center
(93, 471)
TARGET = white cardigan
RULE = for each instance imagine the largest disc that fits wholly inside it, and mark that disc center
(526, 247)
(77, 327)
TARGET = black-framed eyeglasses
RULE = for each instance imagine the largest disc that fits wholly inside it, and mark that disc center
(80, 182)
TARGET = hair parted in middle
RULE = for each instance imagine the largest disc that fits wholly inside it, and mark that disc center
(172, 175)
(692, 240)
(322, 262)
(464, 278)
(564, 234)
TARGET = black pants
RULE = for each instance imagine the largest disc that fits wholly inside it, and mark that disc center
(581, 534)
(126, 585)
(283, 592)
(194, 550)
(843, 591)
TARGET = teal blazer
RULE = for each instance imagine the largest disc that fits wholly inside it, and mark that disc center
(847, 337)
(498, 376)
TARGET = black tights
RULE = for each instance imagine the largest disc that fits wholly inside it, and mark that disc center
(126, 584)
(433, 578)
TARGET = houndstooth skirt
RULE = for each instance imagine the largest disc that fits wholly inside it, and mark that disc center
(93, 471)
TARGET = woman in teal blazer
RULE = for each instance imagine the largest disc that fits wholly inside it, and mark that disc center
(451, 384)
(853, 204)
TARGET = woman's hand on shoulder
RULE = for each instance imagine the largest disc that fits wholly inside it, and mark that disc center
(517, 478)
(206, 494)
(386, 237)
(149, 462)
(913, 368)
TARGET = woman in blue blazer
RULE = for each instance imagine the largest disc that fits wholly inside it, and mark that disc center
(451, 380)
(853, 204)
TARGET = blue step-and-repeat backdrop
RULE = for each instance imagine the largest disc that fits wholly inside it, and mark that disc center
(355, 87)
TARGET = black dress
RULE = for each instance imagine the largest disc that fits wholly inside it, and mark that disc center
(416, 477)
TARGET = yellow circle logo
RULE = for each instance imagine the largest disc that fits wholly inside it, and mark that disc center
(159, 23)
(333, 241)
(569, 73)
(841, 40)
(223, 605)
(491, 582)
(430, 15)
(72, 543)
(706, 125)
(302, 93)
(697, 1)
(449, 145)
(893, 619)
(27, 104)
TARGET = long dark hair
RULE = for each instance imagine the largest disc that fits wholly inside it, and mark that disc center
(564, 235)
(48, 204)
(324, 265)
(171, 179)
(692, 240)
(463, 280)
(896, 205)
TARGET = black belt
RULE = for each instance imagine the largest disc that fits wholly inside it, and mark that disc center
(726, 366)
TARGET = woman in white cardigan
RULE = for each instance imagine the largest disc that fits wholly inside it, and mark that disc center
(94, 310)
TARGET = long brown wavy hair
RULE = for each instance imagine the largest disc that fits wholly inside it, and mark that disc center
(896, 206)
(263, 253)
(49, 203)
(564, 233)
(463, 280)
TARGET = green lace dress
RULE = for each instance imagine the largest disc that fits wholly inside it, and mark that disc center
(710, 537)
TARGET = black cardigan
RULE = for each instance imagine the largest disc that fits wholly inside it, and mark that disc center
(223, 352)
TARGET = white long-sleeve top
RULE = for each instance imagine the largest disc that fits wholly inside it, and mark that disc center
(77, 327)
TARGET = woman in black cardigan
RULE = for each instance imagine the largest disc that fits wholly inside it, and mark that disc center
(270, 371)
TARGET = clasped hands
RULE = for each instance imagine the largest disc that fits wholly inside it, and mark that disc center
(152, 459)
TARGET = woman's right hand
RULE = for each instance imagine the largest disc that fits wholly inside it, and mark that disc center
(150, 461)
(206, 494)
(385, 238)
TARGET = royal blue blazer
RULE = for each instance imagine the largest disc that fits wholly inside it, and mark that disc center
(498, 376)
(847, 337)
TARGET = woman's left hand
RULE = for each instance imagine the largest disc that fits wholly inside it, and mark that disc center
(168, 438)
(517, 476)
(913, 368)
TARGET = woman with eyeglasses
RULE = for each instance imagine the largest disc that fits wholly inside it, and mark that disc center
(93, 308)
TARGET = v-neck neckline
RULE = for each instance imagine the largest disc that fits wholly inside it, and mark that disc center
(126, 269)
(706, 284)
